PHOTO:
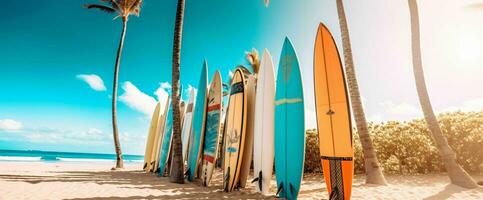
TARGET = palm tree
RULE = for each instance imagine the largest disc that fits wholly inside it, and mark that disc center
(457, 175)
(123, 8)
(177, 166)
(374, 173)
(253, 59)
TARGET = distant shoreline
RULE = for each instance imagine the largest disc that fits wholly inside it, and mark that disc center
(52, 156)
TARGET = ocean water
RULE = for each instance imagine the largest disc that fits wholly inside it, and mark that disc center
(51, 156)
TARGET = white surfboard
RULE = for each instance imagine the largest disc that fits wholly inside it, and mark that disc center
(182, 111)
(188, 117)
(263, 150)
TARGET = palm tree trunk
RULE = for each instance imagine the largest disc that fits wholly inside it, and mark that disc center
(117, 145)
(457, 175)
(177, 166)
(371, 164)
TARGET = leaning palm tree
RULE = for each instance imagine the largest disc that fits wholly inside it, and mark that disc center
(457, 175)
(253, 59)
(122, 8)
(374, 173)
(177, 166)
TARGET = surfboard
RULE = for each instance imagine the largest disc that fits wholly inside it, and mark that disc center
(248, 149)
(166, 143)
(198, 126)
(185, 133)
(212, 130)
(333, 116)
(150, 140)
(182, 111)
(235, 129)
(289, 124)
(264, 125)
(159, 136)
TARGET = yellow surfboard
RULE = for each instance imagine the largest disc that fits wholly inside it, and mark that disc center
(333, 117)
(150, 140)
(235, 129)
(248, 149)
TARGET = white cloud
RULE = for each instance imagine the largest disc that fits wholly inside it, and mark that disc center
(63, 136)
(136, 99)
(163, 91)
(133, 138)
(94, 81)
(403, 108)
(94, 131)
(125, 137)
(165, 85)
(10, 125)
(467, 106)
(230, 74)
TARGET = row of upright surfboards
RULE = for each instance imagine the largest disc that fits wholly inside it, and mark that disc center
(264, 122)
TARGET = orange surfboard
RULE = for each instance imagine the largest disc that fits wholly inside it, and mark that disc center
(333, 117)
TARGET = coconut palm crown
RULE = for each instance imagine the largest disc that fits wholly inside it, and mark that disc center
(254, 59)
(123, 8)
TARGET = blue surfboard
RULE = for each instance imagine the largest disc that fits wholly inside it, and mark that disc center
(198, 125)
(289, 124)
(166, 145)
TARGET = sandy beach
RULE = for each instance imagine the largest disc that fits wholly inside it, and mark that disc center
(86, 181)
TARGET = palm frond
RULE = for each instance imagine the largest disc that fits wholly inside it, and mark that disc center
(104, 8)
(135, 7)
(113, 4)
(254, 60)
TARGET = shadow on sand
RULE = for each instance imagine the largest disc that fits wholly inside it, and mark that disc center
(448, 192)
(139, 180)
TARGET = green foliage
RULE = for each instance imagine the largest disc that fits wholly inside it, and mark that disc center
(408, 147)
(312, 154)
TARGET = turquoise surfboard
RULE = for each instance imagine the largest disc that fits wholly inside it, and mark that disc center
(198, 125)
(289, 124)
(166, 145)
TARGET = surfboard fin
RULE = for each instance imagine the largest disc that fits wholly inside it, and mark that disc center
(145, 165)
(227, 178)
(260, 180)
(334, 194)
(292, 190)
(237, 186)
(280, 189)
(205, 184)
(187, 173)
(152, 164)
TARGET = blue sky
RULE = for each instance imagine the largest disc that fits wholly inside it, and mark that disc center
(55, 55)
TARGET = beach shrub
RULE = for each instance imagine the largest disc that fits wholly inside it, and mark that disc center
(312, 156)
(408, 148)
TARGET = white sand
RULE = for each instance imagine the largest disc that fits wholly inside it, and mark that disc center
(86, 181)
